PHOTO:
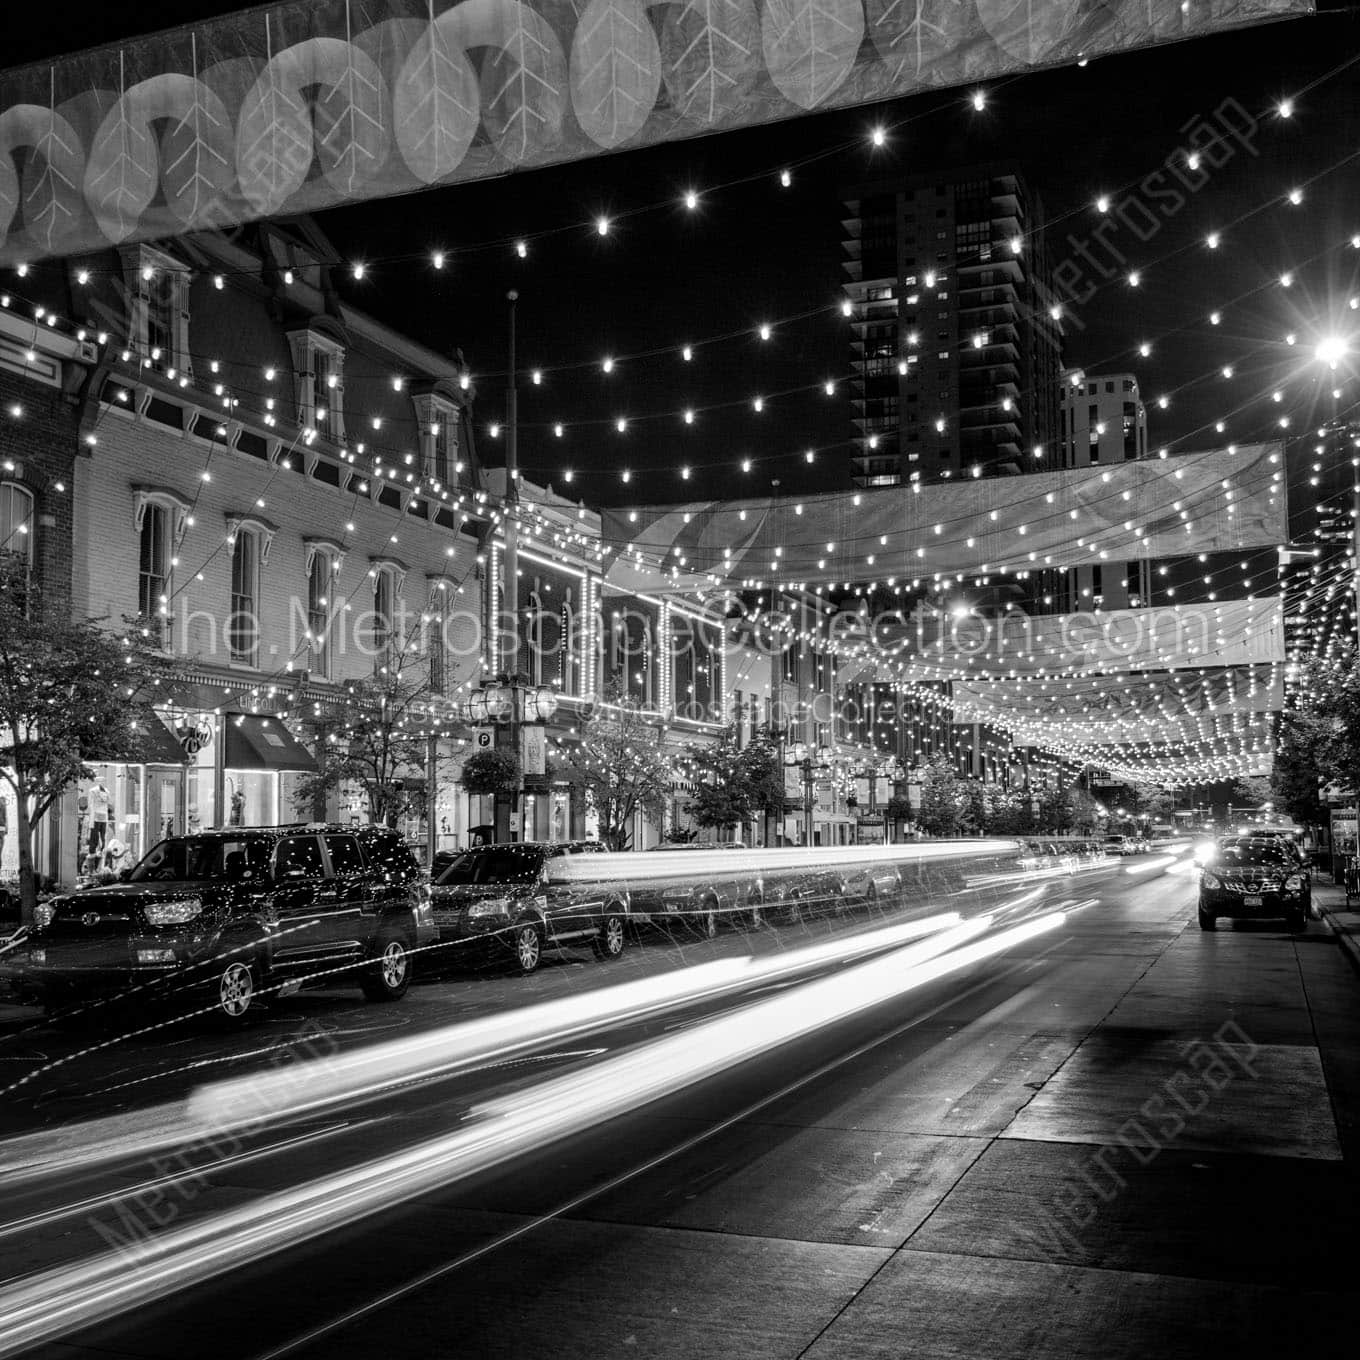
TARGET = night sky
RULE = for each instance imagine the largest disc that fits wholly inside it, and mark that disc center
(756, 252)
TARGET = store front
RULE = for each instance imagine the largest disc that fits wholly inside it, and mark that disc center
(125, 808)
(264, 765)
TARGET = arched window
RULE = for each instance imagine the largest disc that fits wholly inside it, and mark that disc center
(16, 521)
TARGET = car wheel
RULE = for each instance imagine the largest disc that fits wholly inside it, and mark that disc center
(528, 948)
(389, 975)
(609, 942)
(1207, 919)
(707, 924)
(235, 992)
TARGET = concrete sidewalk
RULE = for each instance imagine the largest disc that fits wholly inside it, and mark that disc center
(1329, 901)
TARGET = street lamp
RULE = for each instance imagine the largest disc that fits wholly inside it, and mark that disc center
(509, 703)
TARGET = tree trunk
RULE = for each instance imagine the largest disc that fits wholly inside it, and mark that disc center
(28, 887)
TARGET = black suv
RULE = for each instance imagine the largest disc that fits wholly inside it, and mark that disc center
(221, 915)
(502, 900)
(1254, 880)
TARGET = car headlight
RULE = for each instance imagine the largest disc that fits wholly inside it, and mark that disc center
(490, 906)
(1209, 881)
(43, 915)
(1294, 883)
(1204, 851)
(173, 913)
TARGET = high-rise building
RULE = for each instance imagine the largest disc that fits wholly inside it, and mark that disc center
(1102, 419)
(957, 343)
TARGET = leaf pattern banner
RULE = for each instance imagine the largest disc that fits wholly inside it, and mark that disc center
(309, 105)
(1225, 500)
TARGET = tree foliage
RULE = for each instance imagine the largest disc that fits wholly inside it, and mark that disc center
(622, 766)
(1319, 740)
(941, 798)
(71, 694)
(379, 741)
(735, 784)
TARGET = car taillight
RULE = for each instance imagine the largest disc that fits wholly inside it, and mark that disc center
(1209, 881)
(1293, 883)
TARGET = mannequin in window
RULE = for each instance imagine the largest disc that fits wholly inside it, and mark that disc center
(4, 824)
(99, 801)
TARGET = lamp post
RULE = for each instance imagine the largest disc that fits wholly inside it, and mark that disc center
(803, 760)
(510, 704)
(510, 608)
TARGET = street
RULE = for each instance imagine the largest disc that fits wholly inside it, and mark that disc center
(1122, 1137)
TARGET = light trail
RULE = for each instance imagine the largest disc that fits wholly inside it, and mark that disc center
(266, 1098)
(64, 1299)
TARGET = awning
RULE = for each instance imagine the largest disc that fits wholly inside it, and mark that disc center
(256, 743)
(158, 745)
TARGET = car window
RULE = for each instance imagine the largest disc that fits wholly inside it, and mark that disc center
(185, 859)
(346, 857)
(392, 857)
(298, 853)
(1258, 852)
(498, 864)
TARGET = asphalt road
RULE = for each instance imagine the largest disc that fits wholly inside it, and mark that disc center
(1122, 1138)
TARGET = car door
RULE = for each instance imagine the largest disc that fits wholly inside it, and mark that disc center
(302, 922)
(349, 893)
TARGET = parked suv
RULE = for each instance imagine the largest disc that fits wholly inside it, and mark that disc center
(219, 916)
(501, 900)
(1254, 879)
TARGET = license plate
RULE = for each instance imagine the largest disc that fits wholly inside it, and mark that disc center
(1252, 901)
(445, 918)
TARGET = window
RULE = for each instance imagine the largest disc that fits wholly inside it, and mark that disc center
(387, 580)
(437, 635)
(158, 285)
(346, 857)
(153, 572)
(243, 624)
(319, 376)
(298, 857)
(323, 565)
(16, 523)
(437, 420)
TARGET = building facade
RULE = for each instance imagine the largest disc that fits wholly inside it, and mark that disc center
(1102, 419)
(956, 338)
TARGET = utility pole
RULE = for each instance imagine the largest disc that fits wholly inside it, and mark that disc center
(508, 733)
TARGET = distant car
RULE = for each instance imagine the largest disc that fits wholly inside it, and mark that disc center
(220, 916)
(500, 900)
(1120, 845)
(1253, 879)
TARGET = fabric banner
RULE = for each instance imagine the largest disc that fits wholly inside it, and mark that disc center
(1225, 500)
(1166, 707)
(1103, 642)
(297, 107)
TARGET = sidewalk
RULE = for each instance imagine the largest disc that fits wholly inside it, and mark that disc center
(1329, 901)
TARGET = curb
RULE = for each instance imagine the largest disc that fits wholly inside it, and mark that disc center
(1347, 931)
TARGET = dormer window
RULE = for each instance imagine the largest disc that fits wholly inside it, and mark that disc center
(319, 370)
(159, 322)
(437, 419)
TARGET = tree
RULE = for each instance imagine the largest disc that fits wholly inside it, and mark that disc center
(1297, 779)
(1151, 801)
(71, 694)
(379, 742)
(1252, 791)
(622, 767)
(721, 798)
(1008, 813)
(735, 783)
(941, 797)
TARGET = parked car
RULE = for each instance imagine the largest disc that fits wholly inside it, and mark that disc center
(221, 916)
(1253, 879)
(702, 901)
(1120, 845)
(500, 901)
